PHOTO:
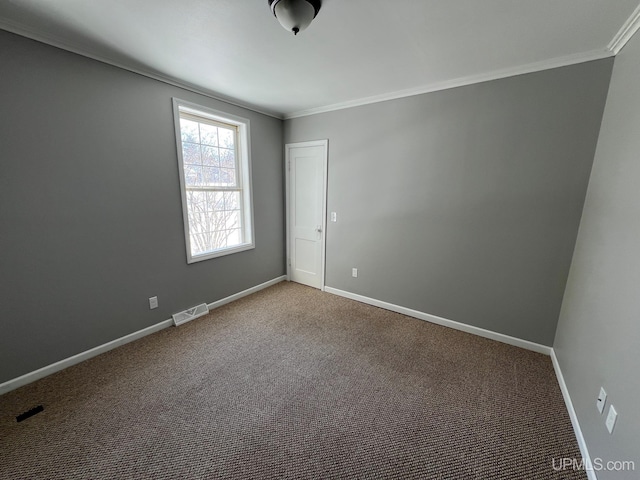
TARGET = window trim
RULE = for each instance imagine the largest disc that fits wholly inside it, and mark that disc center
(244, 169)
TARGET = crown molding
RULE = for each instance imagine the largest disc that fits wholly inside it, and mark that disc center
(630, 27)
(627, 31)
(460, 82)
(24, 31)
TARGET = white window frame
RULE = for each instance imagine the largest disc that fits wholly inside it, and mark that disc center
(243, 152)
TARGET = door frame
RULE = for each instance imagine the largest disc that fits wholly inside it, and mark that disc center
(325, 170)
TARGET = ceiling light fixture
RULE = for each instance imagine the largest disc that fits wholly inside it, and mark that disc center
(295, 15)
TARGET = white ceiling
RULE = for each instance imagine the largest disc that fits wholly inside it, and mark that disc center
(355, 51)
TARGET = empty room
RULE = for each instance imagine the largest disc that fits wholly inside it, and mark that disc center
(320, 239)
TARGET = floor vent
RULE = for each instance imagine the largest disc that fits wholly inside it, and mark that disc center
(190, 314)
(30, 413)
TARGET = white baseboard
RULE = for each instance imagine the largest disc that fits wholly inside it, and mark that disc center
(536, 347)
(244, 293)
(80, 357)
(518, 342)
(591, 474)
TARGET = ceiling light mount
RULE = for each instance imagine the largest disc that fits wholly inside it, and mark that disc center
(295, 15)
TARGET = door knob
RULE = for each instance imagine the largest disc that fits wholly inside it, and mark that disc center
(319, 229)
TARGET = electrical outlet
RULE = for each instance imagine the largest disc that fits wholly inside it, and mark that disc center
(611, 419)
(602, 399)
(153, 303)
(354, 272)
(334, 216)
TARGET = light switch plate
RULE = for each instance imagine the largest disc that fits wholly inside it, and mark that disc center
(611, 419)
(354, 272)
(334, 216)
(602, 399)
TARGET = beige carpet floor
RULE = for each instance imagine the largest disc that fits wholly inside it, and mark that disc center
(293, 383)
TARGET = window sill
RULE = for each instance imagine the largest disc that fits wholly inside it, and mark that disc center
(220, 253)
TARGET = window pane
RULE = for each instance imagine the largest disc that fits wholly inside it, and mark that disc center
(196, 201)
(197, 222)
(199, 243)
(227, 177)
(208, 134)
(226, 138)
(227, 158)
(218, 239)
(231, 200)
(192, 176)
(191, 153)
(211, 176)
(232, 219)
(210, 157)
(234, 237)
(189, 131)
(215, 201)
(214, 221)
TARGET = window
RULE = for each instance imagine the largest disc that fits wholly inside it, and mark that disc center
(215, 180)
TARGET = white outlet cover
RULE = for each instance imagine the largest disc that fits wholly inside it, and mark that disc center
(153, 303)
(354, 272)
(602, 399)
(334, 217)
(611, 419)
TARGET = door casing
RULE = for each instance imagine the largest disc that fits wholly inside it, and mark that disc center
(323, 250)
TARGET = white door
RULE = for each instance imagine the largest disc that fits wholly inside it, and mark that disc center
(306, 165)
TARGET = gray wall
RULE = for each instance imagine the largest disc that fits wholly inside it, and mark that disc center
(464, 203)
(90, 212)
(598, 337)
